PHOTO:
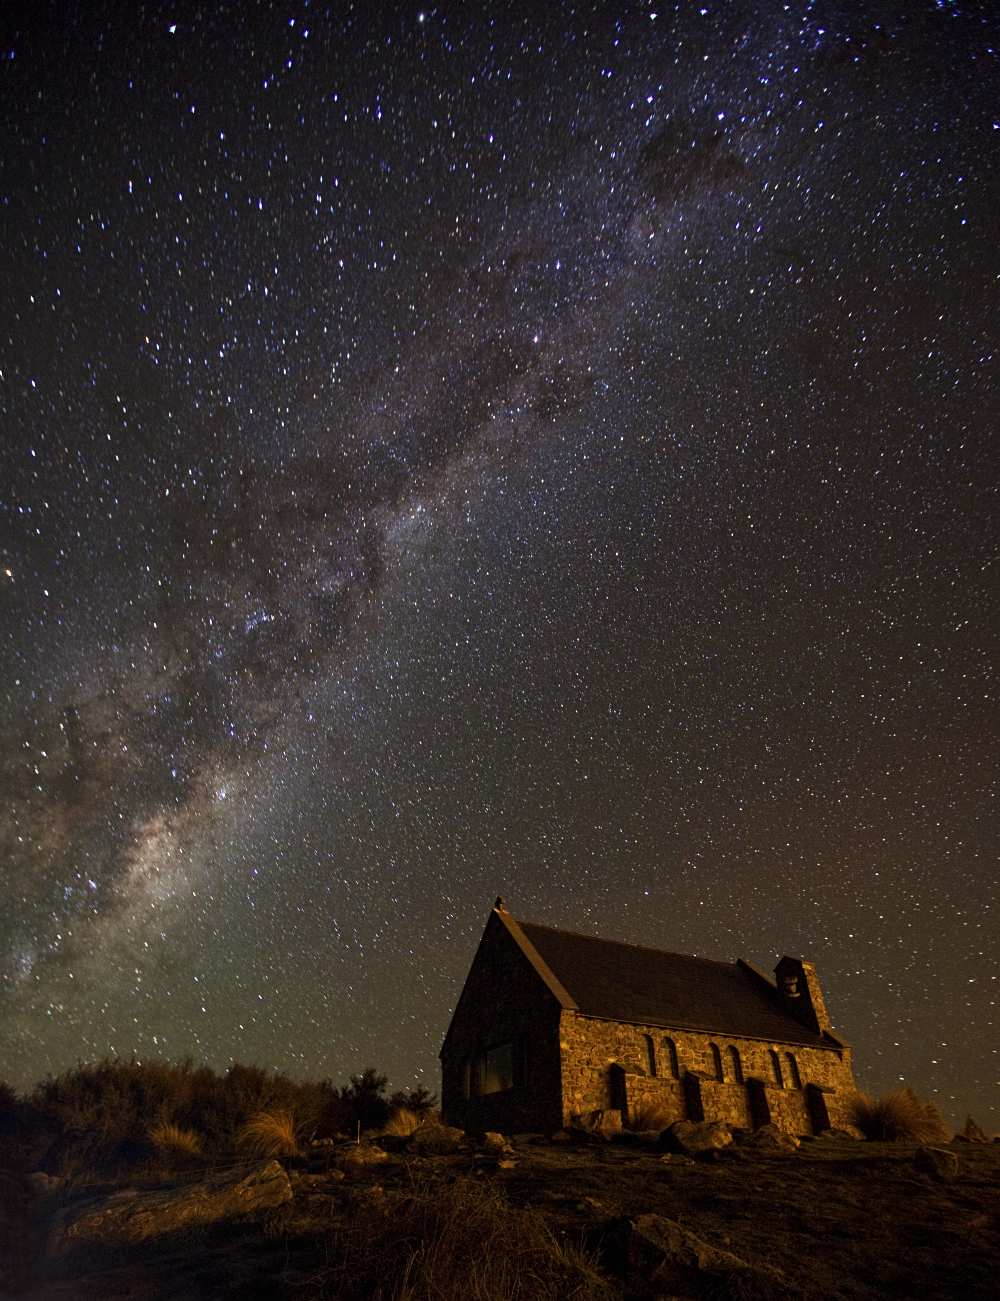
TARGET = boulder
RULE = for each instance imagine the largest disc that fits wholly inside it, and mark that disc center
(663, 1259)
(701, 1138)
(133, 1216)
(770, 1139)
(433, 1139)
(495, 1144)
(937, 1162)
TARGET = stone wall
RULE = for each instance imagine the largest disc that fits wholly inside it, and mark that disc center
(590, 1046)
(503, 1001)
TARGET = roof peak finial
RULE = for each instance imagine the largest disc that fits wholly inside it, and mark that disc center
(499, 903)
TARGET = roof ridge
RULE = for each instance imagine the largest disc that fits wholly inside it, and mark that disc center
(626, 944)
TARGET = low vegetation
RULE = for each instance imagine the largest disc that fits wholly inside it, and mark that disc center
(174, 1141)
(457, 1239)
(270, 1134)
(649, 1116)
(402, 1122)
(898, 1116)
(102, 1119)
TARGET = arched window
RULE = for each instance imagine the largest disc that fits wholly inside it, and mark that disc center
(673, 1064)
(717, 1061)
(793, 1071)
(650, 1054)
(776, 1069)
(735, 1065)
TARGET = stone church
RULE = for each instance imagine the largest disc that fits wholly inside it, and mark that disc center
(552, 1027)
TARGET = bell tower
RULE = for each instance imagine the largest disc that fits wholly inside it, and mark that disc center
(800, 994)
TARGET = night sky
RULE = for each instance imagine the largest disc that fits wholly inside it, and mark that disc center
(545, 451)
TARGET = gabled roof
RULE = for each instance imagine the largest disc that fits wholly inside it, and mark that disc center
(625, 982)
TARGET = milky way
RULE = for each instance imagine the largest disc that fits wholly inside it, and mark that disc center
(453, 452)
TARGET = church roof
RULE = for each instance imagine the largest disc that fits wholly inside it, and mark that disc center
(625, 982)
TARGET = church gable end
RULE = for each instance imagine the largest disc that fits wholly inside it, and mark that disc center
(500, 1058)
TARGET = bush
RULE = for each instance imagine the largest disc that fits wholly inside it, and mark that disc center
(420, 1100)
(402, 1122)
(270, 1133)
(898, 1116)
(461, 1239)
(365, 1100)
(174, 1142)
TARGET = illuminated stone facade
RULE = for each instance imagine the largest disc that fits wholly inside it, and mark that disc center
(532, 1045)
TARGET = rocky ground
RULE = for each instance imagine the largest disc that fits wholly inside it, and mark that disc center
(832, 1218)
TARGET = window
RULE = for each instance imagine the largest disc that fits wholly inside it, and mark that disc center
(793, 1071)
(717, 1070)
(672, 1062)
(496, 1069)
(776, 1069)
(735, 1065)
(650, 1054)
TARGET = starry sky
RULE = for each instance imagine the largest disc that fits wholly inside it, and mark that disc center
(544, 450)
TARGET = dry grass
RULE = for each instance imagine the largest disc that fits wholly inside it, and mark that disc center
(459, 1238)
(898, 1116)
(649, 1116)
(403, 1122)
(270, 1133)
(172, 1140)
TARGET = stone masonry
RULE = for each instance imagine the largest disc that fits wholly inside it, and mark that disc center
(532, 1045)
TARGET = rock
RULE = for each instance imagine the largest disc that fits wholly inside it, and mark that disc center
(696, 1137)
(132, 1216)
(43, 1184)
(937, 1162)
(770, 1139)
(664, 1259)
(496, 1144)
(433, 1139)
(841, 1133)
(675, 1158)
(561, 1138)
(506, 1163)
(308, 1183)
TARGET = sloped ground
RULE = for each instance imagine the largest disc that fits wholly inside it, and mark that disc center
(837, 1219)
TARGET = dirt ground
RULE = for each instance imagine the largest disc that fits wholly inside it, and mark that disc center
(839, 1218)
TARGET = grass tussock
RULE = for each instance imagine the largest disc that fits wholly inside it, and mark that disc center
(898, 1116)
(270, 1134)
(175, 1141)
(649, 1116)
(459, 1238)
(403, 1122)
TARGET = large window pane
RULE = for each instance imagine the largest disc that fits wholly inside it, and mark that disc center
(497, 1072)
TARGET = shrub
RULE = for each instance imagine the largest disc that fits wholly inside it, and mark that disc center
(462, 1239)
(898, 1116)
(174, 1141)
(420, 1100)
(649, 1115)
(403, 1122)
(270, 1133)
(365, 1099)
